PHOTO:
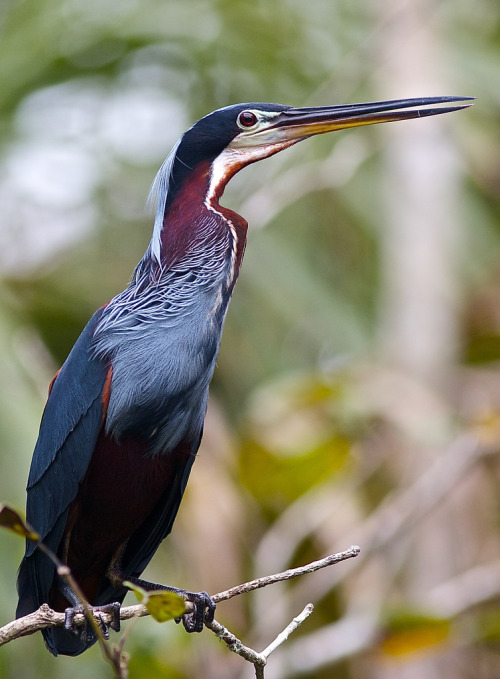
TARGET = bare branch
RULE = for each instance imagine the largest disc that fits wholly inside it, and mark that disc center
(65, 574)
(283, 636)
(46, 617)
(29, 624)
(400, 511)
(287, 575)
(258, 660)
(356, 632)
(235, 645)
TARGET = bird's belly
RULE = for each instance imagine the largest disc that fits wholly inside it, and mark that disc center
(119, 491)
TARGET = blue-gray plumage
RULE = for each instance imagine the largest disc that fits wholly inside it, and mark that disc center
(124, 417)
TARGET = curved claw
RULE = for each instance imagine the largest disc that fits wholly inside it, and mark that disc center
(203, 606)
(203, 610)
(86, 632)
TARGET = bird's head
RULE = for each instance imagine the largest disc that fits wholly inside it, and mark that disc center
(230, 138)
(235, 136)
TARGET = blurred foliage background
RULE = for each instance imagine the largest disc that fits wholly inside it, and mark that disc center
(357, 396)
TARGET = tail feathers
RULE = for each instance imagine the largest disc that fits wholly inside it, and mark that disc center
(58, 640)
(61, 642)
(26, 603)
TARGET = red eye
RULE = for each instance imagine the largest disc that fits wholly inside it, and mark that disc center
(247, 119)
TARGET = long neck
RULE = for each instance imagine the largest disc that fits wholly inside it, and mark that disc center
(193, 219)
(167, 324)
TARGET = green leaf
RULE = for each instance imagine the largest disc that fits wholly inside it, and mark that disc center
(139, 592)
(162, 604)
(13, 521)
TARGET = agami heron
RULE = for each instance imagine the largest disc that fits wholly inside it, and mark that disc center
(124, 417)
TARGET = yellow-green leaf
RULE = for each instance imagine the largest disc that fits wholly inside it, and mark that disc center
(164, 605)
(13, 521)
(139, 592)
(161, 604)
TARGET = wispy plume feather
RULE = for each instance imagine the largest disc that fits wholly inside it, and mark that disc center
(157, 199)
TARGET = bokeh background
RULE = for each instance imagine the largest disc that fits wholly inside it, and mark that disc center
(357, 395)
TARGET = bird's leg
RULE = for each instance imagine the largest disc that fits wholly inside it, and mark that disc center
(86, 632)
(203, 606)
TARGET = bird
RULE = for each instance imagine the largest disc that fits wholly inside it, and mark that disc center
(125, 413)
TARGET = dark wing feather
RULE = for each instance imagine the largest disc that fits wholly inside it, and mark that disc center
(144, 542)
(69, 429)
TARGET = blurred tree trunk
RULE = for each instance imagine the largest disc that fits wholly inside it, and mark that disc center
(419, 319)
(423, 234)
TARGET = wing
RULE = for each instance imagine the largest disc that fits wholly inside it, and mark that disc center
(68, 432)
(144, 542)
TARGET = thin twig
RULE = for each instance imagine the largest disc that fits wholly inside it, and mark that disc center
(258, 660)
(113, 654)
(65, 574)
(45, 617)
(12, 520)
(355, 632)
(286, 575)
(283, 636)
(234, 644)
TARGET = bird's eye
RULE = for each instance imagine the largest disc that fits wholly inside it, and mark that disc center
(247, 119)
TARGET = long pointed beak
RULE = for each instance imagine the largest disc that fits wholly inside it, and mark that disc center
(299, 123)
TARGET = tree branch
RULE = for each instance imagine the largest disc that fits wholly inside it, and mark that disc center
(286, 575)
(46, 617)
(259, 660)
(356, 632)
(283, 636)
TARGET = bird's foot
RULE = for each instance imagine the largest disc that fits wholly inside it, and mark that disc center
(203, 606)
(203, 609)
(86, 631)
